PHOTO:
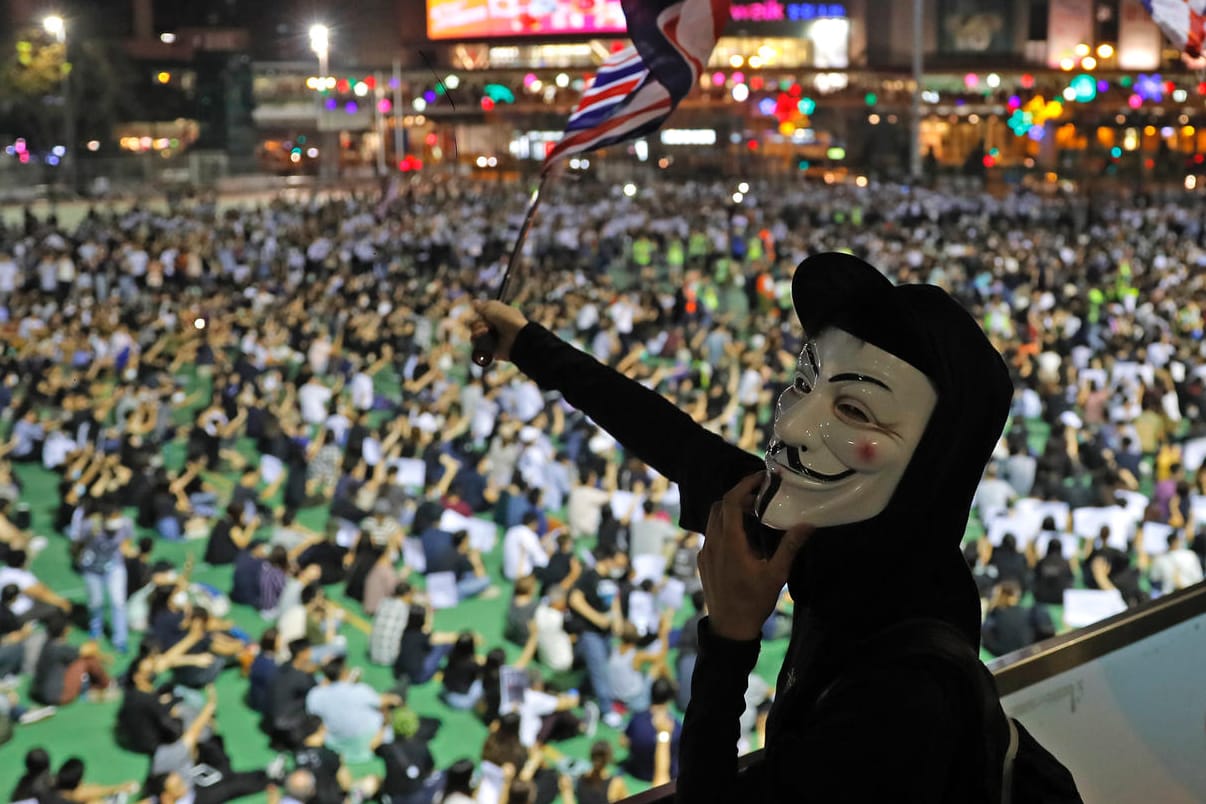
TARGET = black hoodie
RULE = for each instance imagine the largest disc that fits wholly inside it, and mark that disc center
(901, 733)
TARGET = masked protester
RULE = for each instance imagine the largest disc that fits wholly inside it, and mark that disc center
(859, 506)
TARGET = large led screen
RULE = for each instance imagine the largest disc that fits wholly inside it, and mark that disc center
(486, 19)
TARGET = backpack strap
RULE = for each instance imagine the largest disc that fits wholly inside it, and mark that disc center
(1011, 754)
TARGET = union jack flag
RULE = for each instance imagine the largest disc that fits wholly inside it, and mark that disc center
(1183, 22)
(636, 89)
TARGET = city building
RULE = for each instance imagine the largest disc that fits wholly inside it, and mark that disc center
(1071, 88)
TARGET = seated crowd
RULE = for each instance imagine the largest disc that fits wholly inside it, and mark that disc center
(279, 397)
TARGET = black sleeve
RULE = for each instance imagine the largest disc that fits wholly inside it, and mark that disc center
(703, 464)
(892, 734)
(708, 747)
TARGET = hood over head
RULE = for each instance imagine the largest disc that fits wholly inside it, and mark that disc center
(905, 562)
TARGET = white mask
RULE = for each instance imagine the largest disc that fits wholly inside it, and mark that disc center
(845, 432)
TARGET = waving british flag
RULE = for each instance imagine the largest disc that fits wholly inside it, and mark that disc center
(1183, 22)
(637, 88)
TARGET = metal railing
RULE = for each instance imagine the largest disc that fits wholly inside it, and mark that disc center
(1036, 663)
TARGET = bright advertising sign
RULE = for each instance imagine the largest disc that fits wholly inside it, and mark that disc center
(491, 19)
(487, 19)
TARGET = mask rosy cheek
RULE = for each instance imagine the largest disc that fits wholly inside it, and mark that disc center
(869, 454)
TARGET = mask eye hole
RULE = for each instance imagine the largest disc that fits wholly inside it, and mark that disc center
(810, 350)
(853, 413)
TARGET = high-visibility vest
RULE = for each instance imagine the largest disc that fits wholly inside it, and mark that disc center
(675, 255)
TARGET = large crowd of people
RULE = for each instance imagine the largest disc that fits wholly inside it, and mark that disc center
(222, 375)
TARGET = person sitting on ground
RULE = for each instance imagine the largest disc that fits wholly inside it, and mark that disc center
(471, 577)
(323, 620)
(249, 568)
(644, 733)
(274, 574)
(139, 569)
(383, 578)
(548, 639)
(211, 638)
(628, 679)
(458, 783)
(332, 779)
(1177, 568)
(492, 679)
(37, 602)
(410, 774)
(287, 691)
(69, 784)
(63, 671)
(262, 670)
(292, 535)
(1107, 567)
(599, 785)
(351, 710)
(462, 681)
(421, 651)
(1011, 564)
(523, 551)
(37, 779)
(14, 636)
(546, 716)
(144, 719)
(382, 528)
(519, 785)
(684, 561)
(328, 555)
(299, 788)
(389, 623)
(1009, 625)
(653, 534)
(291, 612)
(365, 554)
(519, 614)
(1053, 574)
(182, 753)
(229, 535)
(246, 494)
(563, 568)
(503, 745)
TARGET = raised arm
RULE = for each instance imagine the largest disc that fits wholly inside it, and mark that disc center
(195, 729)
(643, 421)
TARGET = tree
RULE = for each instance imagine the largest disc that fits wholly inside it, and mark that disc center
(33, 67)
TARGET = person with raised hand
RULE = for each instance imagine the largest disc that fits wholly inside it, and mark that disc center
(895, 404)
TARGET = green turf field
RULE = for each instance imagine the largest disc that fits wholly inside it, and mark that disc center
(85, 728)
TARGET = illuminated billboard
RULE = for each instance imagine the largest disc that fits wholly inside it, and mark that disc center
(487, 19)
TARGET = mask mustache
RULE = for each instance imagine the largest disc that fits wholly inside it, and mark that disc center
(793, 459)
(793, 455)
(797, 466)
(770, 488)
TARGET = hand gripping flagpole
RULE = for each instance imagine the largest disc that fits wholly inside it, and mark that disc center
(484, 345)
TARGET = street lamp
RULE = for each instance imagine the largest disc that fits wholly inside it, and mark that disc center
(56, 26)
(320, 43)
